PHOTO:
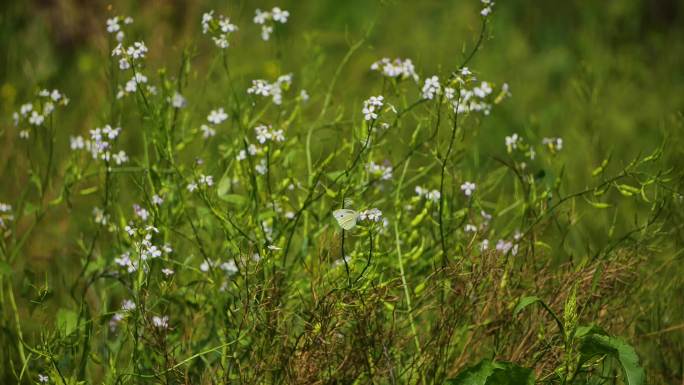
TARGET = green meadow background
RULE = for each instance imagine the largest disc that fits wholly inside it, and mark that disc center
(606, 76)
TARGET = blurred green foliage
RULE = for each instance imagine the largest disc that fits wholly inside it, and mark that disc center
(607, 76)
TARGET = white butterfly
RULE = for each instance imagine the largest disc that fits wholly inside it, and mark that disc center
(346, 218)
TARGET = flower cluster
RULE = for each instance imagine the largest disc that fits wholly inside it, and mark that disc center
(262, 167)
(474, 99)
(268, 19)
(229, 267)
(512, 142)
(397, 68)
(487, 7)
(431, 88)
(515, 143)
(214, 118)
(131, 55)
(219, 28)
(114, 26)
(265, 133)
(371, 107)
(141, 212)
(177, 100)
(553, 144)
(100, 216)
(127, 306)
(100, 144)
(275, 89)
(251, 150)
(371, 215)
(204, 180)
(472, 228)
(431, 195)
(143, 248)
(468, 188)
(383, 171)
(160, 322)
(504, 247)
(35, 113)
(132, 85)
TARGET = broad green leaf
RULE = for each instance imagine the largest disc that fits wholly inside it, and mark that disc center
(474, 375)
(597, 345)
(494, 373)
(511, 374)
(67, 321)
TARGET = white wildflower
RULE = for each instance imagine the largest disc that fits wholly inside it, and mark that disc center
(397, 68)
(229, 267)
(512, 142)
(206, 180)
(468, 188)
(177, 100)
(157, 200)
(217, 116)
(120, 157)
(430, 88)
(36, 119)
(160, 322)
(280, 15)
(371, 107)
(207, 131)
(553, 144)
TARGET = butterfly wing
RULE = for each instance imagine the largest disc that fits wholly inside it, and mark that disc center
(346, 218)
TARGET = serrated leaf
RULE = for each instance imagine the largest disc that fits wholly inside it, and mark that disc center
(597, 344)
